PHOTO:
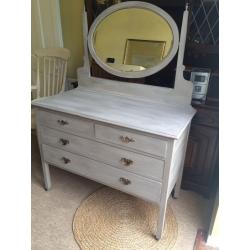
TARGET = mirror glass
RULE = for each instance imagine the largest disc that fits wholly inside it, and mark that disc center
(132, 40)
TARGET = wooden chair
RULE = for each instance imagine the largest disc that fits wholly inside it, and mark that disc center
(49, 68)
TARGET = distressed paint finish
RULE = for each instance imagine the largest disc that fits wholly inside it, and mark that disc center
(140, 186)
(164, 119)
(102, 111)
(104, 116)
(147, 166)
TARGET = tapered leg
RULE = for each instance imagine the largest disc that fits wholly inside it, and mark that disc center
(177, 187)
(161, 220)
(46, 176)
(178, 182)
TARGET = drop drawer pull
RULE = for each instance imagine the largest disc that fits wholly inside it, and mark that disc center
(62, 122)
(64, 141)
(126, 161)
(66, 160)
(126, 139)
(125, 181)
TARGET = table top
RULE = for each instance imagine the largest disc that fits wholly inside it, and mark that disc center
(145, 115)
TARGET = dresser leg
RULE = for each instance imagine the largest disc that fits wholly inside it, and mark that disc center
(161, 221)
(178, 182)
(46, 176)
(177, 187)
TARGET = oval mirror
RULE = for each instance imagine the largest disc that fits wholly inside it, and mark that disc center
(133, 39)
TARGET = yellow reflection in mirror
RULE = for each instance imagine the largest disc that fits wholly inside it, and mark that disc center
(144, 53)
(133, 39)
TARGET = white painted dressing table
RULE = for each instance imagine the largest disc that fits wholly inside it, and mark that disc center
(127, 136)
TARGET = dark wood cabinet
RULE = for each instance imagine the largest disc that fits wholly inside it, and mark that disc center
(201, 163)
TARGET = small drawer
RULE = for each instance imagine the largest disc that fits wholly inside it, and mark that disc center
(100, 172)
(125, 160)
(66, 123)
(131, 140)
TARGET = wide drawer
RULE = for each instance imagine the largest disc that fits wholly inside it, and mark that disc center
(126, 160)
(66, 123)
(131, 140)
(100, 172)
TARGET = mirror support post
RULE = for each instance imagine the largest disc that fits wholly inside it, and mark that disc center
(85, 70)
(182, 86)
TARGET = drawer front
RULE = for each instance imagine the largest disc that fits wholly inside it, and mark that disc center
(66, 123)
(129, 161)
(131, 140)
(100, 172)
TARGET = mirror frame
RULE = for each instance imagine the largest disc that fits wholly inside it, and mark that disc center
(127, 5)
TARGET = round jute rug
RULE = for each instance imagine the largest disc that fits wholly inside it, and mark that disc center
(112, 220)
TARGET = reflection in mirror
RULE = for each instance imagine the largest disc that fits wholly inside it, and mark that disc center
(133, 39)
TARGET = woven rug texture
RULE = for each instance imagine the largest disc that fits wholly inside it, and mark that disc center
(112, 220)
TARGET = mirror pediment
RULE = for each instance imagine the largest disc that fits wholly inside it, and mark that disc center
(133, 39)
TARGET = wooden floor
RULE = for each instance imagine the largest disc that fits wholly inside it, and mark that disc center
(200, 243)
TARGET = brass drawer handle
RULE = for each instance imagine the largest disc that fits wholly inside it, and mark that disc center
(126, 139)
(66, 160)
(64, 141)
(126, 161)
(62, 122)
(125, 181)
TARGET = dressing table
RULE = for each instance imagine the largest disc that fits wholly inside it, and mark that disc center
(128, 136)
